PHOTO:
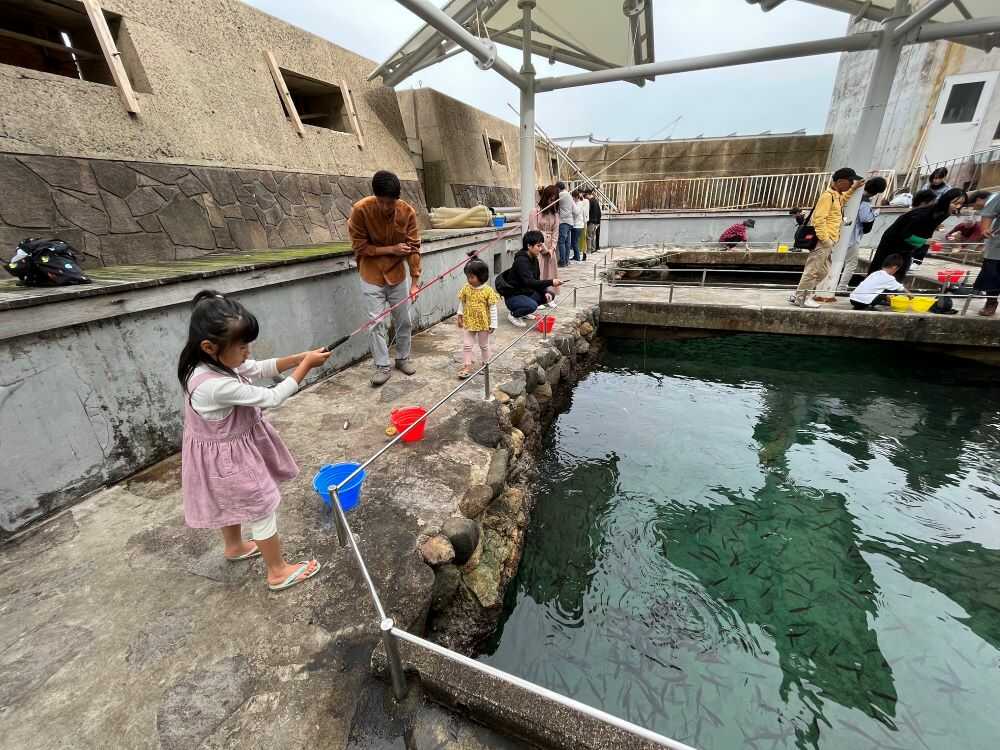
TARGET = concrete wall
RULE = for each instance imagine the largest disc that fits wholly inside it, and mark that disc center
(694, 229)
(74, 163)
(92, 396)
(447, 140)
(705, 157)
(915, 91)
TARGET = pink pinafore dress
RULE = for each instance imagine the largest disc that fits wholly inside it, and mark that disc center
(230, 468)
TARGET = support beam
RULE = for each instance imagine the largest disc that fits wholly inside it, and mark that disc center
(924, 14)
(865, 138)
(933, 32)
(111, 55)
(438, 19)
(527, 117)
(852, 43)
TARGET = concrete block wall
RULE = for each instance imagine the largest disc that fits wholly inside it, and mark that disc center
(456, 169)
(95, 391)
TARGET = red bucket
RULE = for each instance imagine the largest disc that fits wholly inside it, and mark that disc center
(545, 324)
(403, 418)
(935, 247)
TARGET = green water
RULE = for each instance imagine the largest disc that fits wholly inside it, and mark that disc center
(770, 542)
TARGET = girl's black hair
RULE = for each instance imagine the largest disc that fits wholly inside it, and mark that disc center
(532, 237)
(218, 319)
(941, 172)
(479, 269)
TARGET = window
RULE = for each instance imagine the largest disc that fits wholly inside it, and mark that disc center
(318, 103)
(996, 135)
(59, 38)
(497, 152)
(962, 102)
(555, 169)
(497, 268)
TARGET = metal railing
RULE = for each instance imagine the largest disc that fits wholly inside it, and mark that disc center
(980, 169)
(391, 634)
(765, 191)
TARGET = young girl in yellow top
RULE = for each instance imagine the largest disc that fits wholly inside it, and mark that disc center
(477, 312)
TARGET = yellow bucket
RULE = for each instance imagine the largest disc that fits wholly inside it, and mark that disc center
(922, 304)
(899, 303)
(782, 248)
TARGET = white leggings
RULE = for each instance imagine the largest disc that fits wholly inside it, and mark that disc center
(264, 528)
(469, 339)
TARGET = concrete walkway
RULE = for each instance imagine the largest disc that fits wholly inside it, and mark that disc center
(122, 628)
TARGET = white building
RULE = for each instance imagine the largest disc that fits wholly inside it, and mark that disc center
(944, 106)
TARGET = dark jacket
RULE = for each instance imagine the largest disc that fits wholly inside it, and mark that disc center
(595, 212)
(522, 277)
(908, 234)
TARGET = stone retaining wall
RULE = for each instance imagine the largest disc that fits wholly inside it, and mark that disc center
(475, 556)
(127, 212)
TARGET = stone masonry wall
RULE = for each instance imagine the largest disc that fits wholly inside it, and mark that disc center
(467, 196)
(476, 555)
(126, 212)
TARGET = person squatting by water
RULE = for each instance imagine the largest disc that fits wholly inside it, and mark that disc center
(737, 234)
(384, 235)
(522, 288)
(477, 313)
(870, 293)
(232, 459)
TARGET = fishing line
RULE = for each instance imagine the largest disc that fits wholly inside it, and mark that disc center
(413, 297)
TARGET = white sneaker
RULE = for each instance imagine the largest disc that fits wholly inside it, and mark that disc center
(516, 321)
(810, 302)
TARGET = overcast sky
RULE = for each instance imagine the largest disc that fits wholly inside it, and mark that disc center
(777, 96)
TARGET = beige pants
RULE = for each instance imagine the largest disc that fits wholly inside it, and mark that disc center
(817, 267)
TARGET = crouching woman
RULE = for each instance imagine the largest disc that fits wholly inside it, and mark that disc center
(522, 288)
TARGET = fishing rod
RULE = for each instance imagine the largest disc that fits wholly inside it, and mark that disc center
(381, 316)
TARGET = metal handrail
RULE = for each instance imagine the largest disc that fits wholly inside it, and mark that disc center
(390, 632)
(563, 700)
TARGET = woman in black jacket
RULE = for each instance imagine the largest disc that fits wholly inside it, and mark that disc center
(520, 286)
(908, 235)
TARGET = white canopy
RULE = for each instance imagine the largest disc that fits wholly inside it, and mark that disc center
(589, 34)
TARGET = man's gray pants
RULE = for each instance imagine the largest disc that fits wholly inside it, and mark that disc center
(377, 300)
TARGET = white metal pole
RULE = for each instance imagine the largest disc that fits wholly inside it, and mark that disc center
(862, 150)
(527, 117)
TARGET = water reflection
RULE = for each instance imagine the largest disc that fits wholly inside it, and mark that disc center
(743, 545)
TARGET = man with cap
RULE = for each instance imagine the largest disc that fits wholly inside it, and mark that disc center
(827, 218)
(736, 234)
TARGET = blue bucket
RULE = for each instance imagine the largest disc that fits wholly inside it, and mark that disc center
(499, 221)
(332, 474)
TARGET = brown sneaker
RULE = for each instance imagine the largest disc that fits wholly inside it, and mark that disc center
(381, 376)
(406, 367)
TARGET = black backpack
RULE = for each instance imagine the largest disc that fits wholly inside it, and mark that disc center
(46, 263)
(805, 235)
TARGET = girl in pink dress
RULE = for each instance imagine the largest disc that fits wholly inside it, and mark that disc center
(231, 458)
(545, 219)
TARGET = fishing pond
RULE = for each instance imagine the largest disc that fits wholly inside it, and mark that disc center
(770, 542)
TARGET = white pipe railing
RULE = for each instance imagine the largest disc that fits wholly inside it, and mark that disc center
(766, 191)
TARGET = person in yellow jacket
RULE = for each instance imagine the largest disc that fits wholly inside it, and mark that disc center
(827, 218)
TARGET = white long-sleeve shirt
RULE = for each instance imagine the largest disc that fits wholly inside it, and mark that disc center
(493, 314)
(581, 212)
(876, 284)
(215, 398)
